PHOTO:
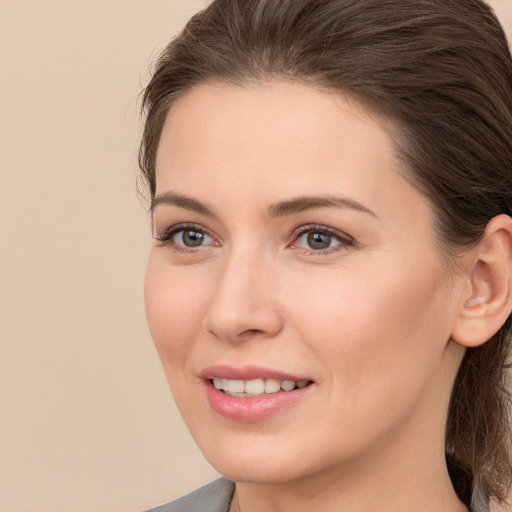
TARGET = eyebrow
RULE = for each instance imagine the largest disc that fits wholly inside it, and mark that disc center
(301, 204)
(174, 199)
(279, 209)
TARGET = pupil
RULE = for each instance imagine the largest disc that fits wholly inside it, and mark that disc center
(192, 238)
(319, 240)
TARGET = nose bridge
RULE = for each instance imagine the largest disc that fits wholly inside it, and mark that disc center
(244, 303)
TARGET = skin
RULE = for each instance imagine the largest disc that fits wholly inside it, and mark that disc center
(370, 320)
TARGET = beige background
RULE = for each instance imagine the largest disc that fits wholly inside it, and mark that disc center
(86, 420)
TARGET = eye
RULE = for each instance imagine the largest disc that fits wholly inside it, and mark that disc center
(186, 237)
(320, 239)
(191, 238)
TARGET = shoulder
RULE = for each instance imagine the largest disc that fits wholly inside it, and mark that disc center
(213, 497)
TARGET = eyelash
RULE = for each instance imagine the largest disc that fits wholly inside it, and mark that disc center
(345, 241)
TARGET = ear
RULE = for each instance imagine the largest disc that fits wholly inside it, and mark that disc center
(487, 303)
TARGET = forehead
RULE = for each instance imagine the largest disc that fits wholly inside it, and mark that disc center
(271, 108)
(273, 129)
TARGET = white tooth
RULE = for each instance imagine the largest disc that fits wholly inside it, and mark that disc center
(272, 385)
(288, 385)
(302, 383)
(224, 384)
(255, 387)
(235, 386)
(217, 383)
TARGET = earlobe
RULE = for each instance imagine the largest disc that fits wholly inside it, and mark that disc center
(488, 302)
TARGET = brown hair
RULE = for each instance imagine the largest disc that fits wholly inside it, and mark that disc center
(441, 70)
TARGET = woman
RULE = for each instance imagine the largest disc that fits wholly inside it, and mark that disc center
(329, 287)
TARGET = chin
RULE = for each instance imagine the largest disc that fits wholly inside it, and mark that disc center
(255, 471)
(249, 458)
(257, 458)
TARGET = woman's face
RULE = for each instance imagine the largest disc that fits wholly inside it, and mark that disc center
(288, 247)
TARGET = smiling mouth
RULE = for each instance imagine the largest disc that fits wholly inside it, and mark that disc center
(257, 387)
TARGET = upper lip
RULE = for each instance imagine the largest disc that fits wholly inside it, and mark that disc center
(224, 371)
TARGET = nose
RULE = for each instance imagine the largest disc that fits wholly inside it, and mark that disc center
(244, 304)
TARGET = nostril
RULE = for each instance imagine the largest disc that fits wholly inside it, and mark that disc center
(250, 332)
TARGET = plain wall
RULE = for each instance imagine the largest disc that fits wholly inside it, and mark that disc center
(86, 419)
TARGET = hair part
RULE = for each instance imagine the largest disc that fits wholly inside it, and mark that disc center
(441, 71)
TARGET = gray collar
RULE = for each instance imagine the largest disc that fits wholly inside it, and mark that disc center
(213, 497)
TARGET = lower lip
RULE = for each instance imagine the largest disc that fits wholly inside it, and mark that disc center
(252, 408)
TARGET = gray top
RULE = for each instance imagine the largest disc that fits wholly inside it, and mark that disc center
(216, 497)
(213, 497)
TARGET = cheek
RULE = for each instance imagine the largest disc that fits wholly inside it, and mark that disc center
(378, 341)
(376, 326)
(174, 309)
